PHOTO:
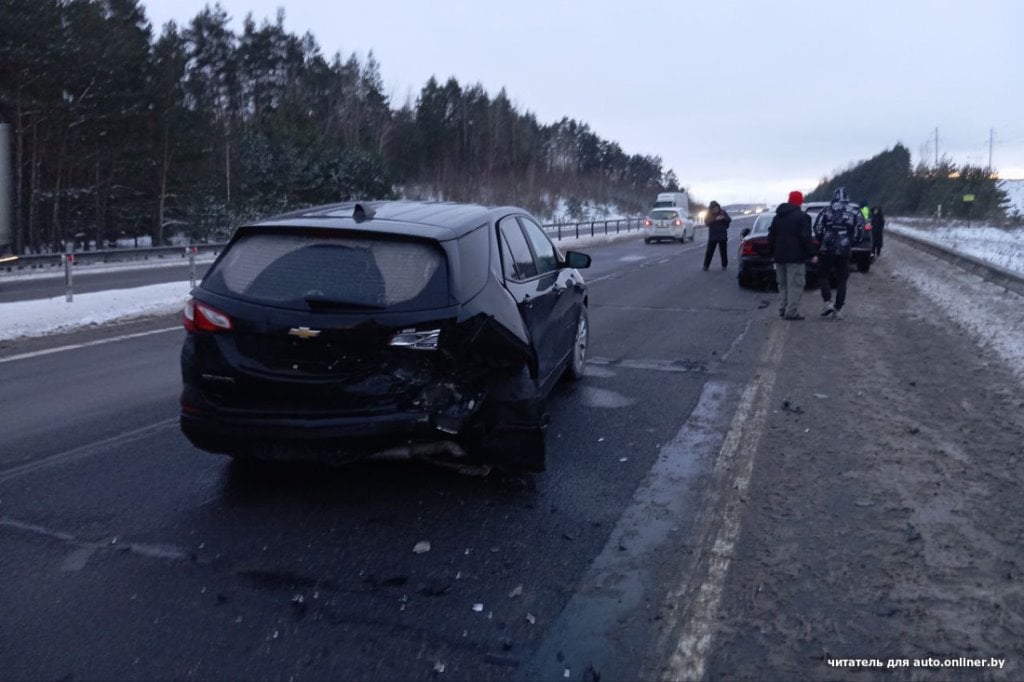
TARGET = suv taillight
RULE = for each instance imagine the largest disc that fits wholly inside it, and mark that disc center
(677, 221)
(647, 222)
(199, 317)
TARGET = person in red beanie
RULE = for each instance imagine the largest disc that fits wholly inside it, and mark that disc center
(791, 246)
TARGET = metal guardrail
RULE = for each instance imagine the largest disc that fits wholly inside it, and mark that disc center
(60, 261)
(1008, 279)
(43, 261)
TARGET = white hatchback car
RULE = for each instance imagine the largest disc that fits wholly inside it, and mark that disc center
(668, 223)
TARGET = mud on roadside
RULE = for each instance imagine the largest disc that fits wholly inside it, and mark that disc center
(884, 516)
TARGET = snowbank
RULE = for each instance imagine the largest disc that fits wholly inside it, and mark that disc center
(1000, 246)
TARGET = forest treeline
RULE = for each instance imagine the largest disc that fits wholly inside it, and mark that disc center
(888, 180)
(119, 131)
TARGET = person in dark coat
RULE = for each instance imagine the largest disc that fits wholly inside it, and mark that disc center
(791, 246)
(877, 230)
(717, 221)
(836, 228)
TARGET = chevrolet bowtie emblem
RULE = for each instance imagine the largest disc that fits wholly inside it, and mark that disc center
(304, 332)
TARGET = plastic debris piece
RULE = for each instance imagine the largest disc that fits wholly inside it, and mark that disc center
(517, 591)
(421, 547)
(478, 608)
(531, 619)
(567, 674)
(820, 396)
(601, 439)
(439, 667)
(623, 459)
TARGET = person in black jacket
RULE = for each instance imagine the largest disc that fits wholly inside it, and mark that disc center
(791, 246)
(836, 228)
(717, 221)
(877, 230)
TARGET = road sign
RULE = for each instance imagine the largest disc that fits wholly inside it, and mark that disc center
(968, 198)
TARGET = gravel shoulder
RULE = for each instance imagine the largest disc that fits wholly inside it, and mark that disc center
(883, 517)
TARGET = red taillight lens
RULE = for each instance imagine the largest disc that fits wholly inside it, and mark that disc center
(747, 249)
(648, 223)
(867, 228)
(677, 222)
(204, 318)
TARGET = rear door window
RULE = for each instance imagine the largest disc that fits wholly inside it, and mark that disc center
(518, 259)
(314, 270)
(543, 249)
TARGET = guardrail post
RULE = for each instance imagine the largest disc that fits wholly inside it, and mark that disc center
(606, 227)
(192, 265)
(69, 293)
(577, 230)
(559, 231)
(591, 228)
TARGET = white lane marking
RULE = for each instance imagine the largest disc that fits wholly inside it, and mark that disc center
(84, 451)
(83, 550)
(100, 342)
(689, 660)
(643, 263)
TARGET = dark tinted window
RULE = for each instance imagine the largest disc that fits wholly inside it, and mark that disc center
(664, 215)
(519, 262)
(307, 270)
(543, 249)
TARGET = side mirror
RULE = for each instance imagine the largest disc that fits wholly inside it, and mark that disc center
(577, 260)
(744, 232)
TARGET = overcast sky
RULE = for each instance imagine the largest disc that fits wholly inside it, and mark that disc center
(743, 99)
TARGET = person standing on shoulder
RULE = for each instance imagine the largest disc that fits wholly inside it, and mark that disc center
(717, 221)
(791, 246)
(835, 228)
(877, 230)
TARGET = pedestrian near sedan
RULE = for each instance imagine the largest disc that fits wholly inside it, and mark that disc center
(835, 228)
(791, 246)
(877, 230)
(717, 221)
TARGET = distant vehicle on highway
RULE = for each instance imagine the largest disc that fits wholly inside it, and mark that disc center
(677, 200)
(424, 329)
(756, 266)
(668, 223)
(861, 253)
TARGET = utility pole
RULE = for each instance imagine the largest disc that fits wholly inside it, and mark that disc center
(991, 136)
(6, 221)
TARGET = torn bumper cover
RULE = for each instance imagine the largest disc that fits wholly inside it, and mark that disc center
(499, 426)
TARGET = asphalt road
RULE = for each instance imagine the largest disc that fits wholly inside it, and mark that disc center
(128, 554)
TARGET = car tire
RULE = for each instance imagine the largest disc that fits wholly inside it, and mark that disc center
(863, 263)
(646, 240)
(578, 361)
(745, 280)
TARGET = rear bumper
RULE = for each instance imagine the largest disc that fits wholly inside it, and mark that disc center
(507, 433)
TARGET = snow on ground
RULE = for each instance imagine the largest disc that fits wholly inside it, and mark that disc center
(986, 311)
(997, 245)
(54, 315)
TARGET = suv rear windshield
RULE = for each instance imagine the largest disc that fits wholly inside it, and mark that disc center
(317, 271)
(664, 215)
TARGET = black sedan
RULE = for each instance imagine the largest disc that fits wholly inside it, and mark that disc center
(423, 329)
(757, 270)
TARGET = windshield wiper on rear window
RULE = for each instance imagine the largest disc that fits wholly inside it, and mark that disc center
(317, 300)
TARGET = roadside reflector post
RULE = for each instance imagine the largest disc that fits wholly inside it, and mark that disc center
(69, 293)
(191, 251)
(591, 228)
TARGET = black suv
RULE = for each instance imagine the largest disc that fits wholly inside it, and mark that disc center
(343, 331)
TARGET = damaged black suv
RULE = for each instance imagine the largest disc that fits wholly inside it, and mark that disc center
(344, 331)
